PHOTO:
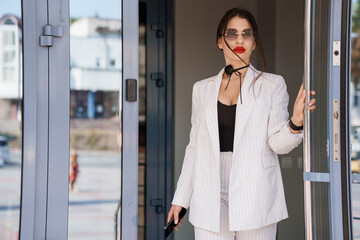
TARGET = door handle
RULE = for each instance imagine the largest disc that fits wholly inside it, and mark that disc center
(306, 145)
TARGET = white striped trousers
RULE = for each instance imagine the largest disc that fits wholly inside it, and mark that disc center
(263, 233)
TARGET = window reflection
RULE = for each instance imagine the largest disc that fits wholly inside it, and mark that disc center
(10, 121)
(95, 130)
(355, 114)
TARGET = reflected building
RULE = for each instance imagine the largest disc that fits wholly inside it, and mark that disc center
(354, 100)
(95, 46)
(10, 66)
(11, 76)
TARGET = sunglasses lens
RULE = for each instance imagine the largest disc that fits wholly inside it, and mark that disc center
(231, 35)
(247, 34)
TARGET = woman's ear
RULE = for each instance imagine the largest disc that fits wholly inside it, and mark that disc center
(219, 44)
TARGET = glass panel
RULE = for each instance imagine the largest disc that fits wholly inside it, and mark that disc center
(355, 114)
(11, 90)
(142, 121)
(320, 35)
(320, 203)
(355, 193)
(95, 119)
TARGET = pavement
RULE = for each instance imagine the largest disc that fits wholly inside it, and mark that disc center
(91, 209)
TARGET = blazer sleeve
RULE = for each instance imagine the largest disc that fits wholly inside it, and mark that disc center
(183, 191)
(280, 139)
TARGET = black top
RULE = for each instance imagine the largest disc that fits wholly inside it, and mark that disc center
(226, 120)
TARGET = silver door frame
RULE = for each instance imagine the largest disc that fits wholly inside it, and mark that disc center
(336, 214)
(130, 120)
(59, 123)
(35, 123)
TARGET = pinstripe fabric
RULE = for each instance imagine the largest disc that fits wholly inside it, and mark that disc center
(256, 194)
(263, 233)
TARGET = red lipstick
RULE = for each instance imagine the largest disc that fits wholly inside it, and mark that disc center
(239, 49)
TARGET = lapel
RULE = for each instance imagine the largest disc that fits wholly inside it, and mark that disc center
(248, 101)
(242, 110)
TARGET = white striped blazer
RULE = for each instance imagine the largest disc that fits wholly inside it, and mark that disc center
(256, 192)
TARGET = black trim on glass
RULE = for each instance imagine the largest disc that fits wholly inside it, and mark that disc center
(170, 93)
(345, 151)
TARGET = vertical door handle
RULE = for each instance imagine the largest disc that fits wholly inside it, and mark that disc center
(306, 150)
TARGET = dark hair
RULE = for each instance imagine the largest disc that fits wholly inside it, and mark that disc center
(242, 13)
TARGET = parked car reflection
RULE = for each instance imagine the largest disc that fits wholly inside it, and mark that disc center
(4, 151)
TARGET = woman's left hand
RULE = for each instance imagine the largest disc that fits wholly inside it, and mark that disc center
(299, 106)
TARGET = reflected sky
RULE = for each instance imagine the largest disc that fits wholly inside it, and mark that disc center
(90, 8)
(13, 7)
(78, 8)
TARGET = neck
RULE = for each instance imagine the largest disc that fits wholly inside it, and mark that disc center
(237, 64)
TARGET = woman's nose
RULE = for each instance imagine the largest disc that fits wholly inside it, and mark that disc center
(239, 39)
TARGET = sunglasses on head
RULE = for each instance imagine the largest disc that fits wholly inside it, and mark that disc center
(232, 34)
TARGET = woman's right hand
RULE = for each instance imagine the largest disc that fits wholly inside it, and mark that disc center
(174, 212)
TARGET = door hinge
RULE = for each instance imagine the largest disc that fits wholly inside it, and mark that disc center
(158, 78)
(49, 32)
(160, 33)
(157, 203)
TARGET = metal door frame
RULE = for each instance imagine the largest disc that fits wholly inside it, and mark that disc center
(130, 120)
(334, 94)
(35, 123)
(159, 116)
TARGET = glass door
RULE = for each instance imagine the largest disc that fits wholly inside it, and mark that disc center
(103, 159)
(68, 122)
(322, 165)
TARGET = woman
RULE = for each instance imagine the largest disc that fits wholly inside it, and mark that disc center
(231, 176)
